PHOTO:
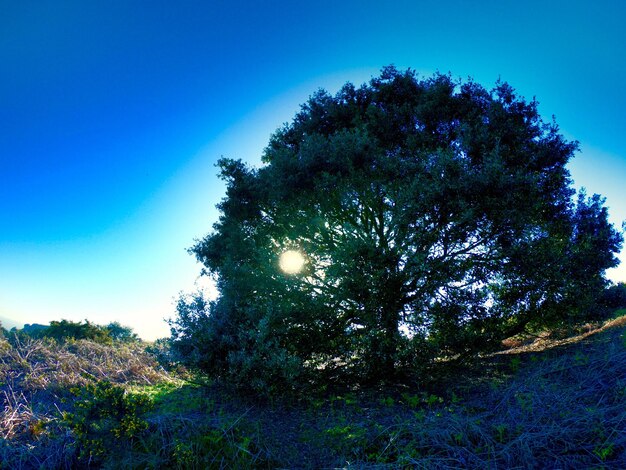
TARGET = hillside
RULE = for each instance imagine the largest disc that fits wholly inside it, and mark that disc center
(552, 403)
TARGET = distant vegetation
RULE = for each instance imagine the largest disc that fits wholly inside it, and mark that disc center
(65, 330)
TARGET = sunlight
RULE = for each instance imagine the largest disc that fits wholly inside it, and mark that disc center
(291, 261)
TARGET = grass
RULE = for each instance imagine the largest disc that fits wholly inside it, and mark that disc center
(548, 402)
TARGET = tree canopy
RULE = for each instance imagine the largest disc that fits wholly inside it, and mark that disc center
(434, 218)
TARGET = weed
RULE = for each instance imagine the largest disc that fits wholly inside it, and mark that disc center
(604, 451)
(213, 448)
(413, 401)
(618, 313)
(348, 438)
(140, 417)
(37, 427)
(581, 359)
(348, 400)
(525, 401)
(387, 401)
(106, 416)
(501, 432)
(432, 400)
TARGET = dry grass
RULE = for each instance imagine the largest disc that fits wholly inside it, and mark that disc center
(549, 340)
(36, 376)
(41, 364)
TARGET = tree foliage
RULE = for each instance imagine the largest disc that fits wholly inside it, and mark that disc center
(436, 218)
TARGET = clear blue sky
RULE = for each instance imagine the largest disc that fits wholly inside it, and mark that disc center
(113, 113)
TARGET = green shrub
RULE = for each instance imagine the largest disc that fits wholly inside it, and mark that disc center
(162, 351)
(106, 417)
(255, 359)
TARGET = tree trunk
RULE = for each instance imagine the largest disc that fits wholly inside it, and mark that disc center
(384, 345)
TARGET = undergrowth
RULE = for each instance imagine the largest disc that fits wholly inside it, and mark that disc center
(553, 403)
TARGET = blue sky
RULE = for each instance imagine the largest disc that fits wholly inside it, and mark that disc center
(112, 115)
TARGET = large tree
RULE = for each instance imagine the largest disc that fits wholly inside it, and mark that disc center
(434, 218)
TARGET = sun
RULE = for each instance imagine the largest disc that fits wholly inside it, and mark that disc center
(291, 261)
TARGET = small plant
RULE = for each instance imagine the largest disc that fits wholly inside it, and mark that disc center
(348, 400)
(432, 400)
(456, 399)
(604, 451)
(501, 432)
(106, 416)
(37, 428)
(213, 448)
(387, 401)
(347, 438)
(618, 313)
(457, 437)
(581, 359)
(419, 415)
(525, 401)
(413, 401)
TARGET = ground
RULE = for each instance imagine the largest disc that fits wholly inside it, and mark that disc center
(548, 402)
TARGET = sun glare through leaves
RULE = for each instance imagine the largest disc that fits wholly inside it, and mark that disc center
(291, 261)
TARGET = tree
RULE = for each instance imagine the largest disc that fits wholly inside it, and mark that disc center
(435, 219)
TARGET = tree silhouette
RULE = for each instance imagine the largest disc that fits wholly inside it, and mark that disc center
(435, 219)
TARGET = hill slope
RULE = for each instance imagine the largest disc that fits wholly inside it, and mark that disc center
(550, 404)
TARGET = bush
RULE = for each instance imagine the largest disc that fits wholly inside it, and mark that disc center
(106, 417)
(258, 362)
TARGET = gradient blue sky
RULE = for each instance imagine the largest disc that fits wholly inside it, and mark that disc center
(113, 113)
